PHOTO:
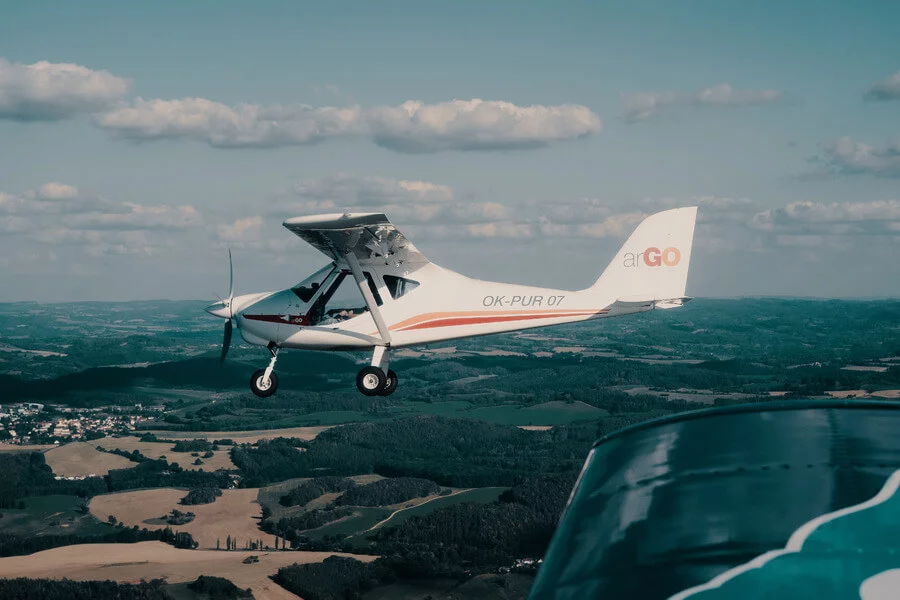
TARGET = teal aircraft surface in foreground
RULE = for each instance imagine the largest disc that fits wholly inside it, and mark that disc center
(783, 501)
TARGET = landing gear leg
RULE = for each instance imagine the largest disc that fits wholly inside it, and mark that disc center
(264, 382)
(377, 379)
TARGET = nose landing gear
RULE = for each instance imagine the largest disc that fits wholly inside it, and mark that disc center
(264, 382)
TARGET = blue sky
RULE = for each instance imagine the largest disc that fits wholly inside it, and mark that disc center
(139, 141)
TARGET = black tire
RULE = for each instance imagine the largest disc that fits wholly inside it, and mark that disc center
(256, 380)
(370, 381)
(390, 385)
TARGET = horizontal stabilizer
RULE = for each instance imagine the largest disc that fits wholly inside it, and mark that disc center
(632, 303)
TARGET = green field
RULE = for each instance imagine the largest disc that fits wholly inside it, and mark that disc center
(56, 515)
(363, 518)
(547, 413)
(484, 495)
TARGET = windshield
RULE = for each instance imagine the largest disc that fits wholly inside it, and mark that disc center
(306, 289)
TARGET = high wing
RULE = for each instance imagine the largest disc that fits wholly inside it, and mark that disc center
(370, 237)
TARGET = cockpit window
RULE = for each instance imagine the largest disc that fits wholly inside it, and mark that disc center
(306, 289)
(340, 302)
(373, 288)
(399, 286)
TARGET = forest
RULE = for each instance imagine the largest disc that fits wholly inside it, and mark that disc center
(219, 588)
(315, 487)
(51, 589)
(202, 495)
(18, 545)
(448, 451)
(335, 578)
(387, 491)
(292, 528)
(27, 474)
(159, 473)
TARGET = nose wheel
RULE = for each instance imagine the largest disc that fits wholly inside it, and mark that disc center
(264, 382)
(263, 386)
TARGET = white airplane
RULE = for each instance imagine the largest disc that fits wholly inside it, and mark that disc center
(380, 293)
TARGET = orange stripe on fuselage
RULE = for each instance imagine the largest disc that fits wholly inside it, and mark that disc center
(449, 319)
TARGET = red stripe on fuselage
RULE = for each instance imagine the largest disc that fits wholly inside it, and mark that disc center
(453, 321)
(283, 319)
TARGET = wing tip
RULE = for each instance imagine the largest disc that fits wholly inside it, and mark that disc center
(334, 220)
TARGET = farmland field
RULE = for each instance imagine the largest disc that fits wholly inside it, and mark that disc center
(244, 437)
(151, 560)
(233, 514)
(81, 459)
(219, 460)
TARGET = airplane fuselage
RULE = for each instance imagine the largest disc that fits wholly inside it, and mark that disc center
(452, 306)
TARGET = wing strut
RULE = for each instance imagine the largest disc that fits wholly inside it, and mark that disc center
(367, 295)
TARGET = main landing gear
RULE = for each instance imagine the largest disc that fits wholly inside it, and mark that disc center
(264, 382)
(377, 379)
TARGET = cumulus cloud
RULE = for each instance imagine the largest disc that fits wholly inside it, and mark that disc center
(403, 200)
(885, 89)
(56, 191)
(100, 243)
(59, 214)
(136, 217)
(643, 105)
(46, 91)
(221, 126)
(846, 156)
(246, 229)
(412, 127)
(596, 218)
(352, 190)
(835, 219)
(415, 127)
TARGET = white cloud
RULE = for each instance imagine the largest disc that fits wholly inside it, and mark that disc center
(244, 126)
(100, 243)
(846, 156)
(358, 191)
(58, 214)
(412, 127)
(46, 91)
(643, 105)
(246, 229)
(56, 191)
(136, 217)
(501, 229)
(835, 219)
(402, 200)
(415, 127)
(885, 89)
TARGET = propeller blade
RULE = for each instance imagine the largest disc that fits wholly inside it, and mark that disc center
(230, 283)
(226, 341)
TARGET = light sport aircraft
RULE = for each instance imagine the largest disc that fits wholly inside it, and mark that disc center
(380, 293)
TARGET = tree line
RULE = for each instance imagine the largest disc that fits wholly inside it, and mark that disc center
(387, 491)
(18, 545)
(451, 452)
(314, 488)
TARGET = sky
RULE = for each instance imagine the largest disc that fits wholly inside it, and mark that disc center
(511, 141)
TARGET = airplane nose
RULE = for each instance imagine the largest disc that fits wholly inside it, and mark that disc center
(218, 310)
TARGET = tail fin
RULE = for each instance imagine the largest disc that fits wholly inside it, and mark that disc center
(653, 263)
